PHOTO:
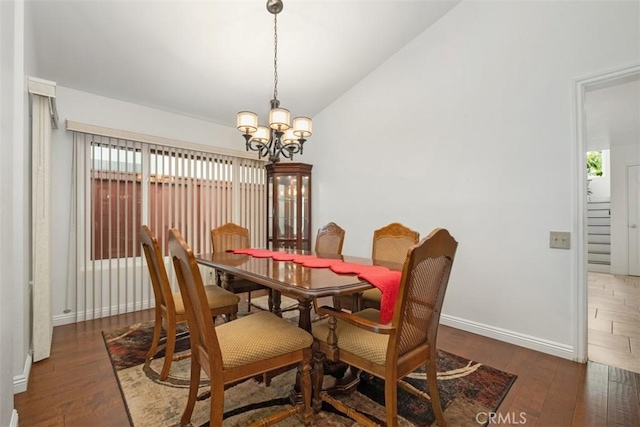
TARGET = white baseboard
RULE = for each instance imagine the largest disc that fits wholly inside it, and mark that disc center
(21, 382)
(516, 338)
(64, 319)
(73, 317)
(14, 419)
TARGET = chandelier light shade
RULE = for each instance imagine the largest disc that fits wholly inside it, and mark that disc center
(281, 136)
(302, 127)
(262, 135)
(279, 119)
(247, 122)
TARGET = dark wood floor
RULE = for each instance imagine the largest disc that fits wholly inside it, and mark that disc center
(76, 385)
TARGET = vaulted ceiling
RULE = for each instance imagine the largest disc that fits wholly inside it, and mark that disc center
(210, 59)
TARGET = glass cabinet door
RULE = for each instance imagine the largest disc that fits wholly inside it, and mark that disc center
(289, 206)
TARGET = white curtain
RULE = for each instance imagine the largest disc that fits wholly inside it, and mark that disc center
(42, 115)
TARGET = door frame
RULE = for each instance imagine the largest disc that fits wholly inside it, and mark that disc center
(630, 202)
(579, 279)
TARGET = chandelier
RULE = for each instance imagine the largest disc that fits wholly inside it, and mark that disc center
(279, 138)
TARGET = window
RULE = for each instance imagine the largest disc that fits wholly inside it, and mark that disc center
(122, 184)
(116, 198)
(594, 164)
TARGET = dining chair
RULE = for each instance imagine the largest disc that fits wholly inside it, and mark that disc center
(392, 351)
(169, 304)
(232, 236)
(329, 241)
(238, 350)
(390, 243)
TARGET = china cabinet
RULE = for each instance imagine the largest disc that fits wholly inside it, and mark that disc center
(289, 206)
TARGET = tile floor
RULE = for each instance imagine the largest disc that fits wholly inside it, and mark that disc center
(614, 320)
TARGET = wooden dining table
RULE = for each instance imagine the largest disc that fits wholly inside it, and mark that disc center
(302, 283)
(291, 279)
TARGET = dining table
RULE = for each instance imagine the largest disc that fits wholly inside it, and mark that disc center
(302, 283)
(292, 279)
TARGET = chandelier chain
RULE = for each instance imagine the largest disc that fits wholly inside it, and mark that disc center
(275, 57)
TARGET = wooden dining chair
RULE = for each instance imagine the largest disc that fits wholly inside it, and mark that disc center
(329, 241)
(232, 236)
(390, 243)
(392, 351)
(169, 305)
(252, 345)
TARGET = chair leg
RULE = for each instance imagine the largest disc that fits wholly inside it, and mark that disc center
(216, 412)
(169, 349)
(194, 382)
(391, 401)
(249, 302)
(304, 374)
(318, 376)
(266, 379)
(432, 382)
(157, 328)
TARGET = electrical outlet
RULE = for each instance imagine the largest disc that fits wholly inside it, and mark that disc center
(560, 240)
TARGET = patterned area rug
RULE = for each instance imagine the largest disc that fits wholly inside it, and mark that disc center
(466, 389)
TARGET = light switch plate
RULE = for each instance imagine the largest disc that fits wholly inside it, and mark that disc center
(560, 240)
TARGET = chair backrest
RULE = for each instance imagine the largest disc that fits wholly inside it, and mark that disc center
(330, 239)
(425, 276)
(391, 242)
(201, 327)
(155, 261)
(229, 236)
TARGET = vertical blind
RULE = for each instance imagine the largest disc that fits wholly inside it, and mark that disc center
(122, 184)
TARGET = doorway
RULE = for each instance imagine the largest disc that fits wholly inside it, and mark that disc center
(608, 119)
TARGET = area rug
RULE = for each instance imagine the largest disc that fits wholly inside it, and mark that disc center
(467, 388)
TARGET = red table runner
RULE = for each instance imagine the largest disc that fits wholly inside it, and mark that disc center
(321, 262)
(388, 281)
(282, 256)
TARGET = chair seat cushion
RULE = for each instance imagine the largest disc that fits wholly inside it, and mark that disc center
(257, 337)
(216, 296)
(365, 344)
(373, 295)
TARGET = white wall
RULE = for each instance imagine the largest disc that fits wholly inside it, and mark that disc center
(14, 270)
(97, 110)
(469, 127)
(621, 158)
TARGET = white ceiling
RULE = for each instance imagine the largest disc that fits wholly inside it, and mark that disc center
(210, 59)
(612, 113)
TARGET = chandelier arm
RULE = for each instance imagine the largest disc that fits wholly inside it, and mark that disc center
(301, 142)
(265, 149)
(262, 148)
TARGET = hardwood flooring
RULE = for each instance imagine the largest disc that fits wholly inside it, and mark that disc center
(76, 385)
(614, 320)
